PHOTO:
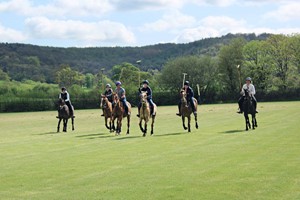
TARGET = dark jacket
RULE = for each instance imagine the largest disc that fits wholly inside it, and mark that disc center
(108, 94)
(148, 90)
(189, 93)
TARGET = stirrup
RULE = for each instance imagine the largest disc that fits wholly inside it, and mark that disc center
(178, 114)
(138, 115)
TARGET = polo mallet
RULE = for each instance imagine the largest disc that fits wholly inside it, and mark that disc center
(184, 74)
(198, 89)
(239, 73)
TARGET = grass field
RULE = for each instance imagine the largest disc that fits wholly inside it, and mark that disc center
(218, 161)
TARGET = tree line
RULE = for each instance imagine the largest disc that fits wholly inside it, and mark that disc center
(273, 63)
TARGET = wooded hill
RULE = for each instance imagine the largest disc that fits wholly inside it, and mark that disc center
(40, 63)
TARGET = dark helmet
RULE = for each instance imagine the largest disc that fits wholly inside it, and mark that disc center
(118, 83)
(248, 79)
(63, 88)
(108, 85)
(146, 82)
(187, 83)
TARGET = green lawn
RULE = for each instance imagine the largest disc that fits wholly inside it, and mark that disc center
(218, 161)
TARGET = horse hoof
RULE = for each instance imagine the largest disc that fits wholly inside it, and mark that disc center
(197, 126)
(151, 132)
(185, 128)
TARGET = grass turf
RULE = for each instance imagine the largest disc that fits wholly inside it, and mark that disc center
(218, 161)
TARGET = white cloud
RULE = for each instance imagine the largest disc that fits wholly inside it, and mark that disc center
(85, 32)
(170, 22)
(57, 7)
(212, 26)
(216, 26)
(11, 35)
(285, 12)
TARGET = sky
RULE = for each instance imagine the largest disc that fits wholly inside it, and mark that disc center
(109, 23)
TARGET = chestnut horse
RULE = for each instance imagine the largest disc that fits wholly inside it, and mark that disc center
(145, 113)
(107, 111)
(119, 114)
(64, 114)
(186, 111)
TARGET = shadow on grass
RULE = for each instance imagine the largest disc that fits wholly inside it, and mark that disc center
(232, 131)
(47, 133)
(91, 135)
(126, 137)
(170, 134)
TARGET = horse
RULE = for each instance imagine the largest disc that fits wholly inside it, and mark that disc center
(119, 114)
(249, 108)
(64, 114)
(145, 113)
(186, 111)
(107, 111)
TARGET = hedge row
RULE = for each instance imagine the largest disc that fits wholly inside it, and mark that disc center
(160, 98)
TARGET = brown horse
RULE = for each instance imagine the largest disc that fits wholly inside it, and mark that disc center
(145, 113)
(107, 111)
(64, 114)
(186, 111)
(119, 114)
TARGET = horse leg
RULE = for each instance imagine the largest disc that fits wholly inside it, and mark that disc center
(183, 123)
(106, 123)
(253, 124)
(140, 124)
(145, 129)
(72, 123)
(152, 124)
(196, 120)
(247, 120)
(189, 123)
(58, 125)
(65, 125)
(128, 124)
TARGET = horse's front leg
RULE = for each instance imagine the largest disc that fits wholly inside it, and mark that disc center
(65, 125)
(253, 121)
(183, 123)
(152, 124)
(189, 123)
(247, 121)
(196, 120)
(73, 124)
(145, 129)
(140, 124)
(58, 125)
(128, 124)
(106, 123)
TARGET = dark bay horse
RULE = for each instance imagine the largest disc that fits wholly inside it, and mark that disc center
(107, 111)
(119, 114)
(145, 113)
(249, 108)
(64, 114)
(186, 111)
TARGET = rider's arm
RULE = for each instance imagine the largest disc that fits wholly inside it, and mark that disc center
(253, 90)
(68, 97)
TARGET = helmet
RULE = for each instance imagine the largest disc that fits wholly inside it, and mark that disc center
(63, 89)
(186, 83)
(108, 85)
(146, 82)
(118, 83)
(248, 79)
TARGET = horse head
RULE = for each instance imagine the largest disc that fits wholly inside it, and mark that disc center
(61, 102)
(183, 98)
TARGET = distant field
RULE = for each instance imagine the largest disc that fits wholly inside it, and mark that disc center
(218, 161)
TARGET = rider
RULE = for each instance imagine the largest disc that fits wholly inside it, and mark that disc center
(66, 97)
(121, 94)
(108, 94)
(250, 87)
(148, 90)
(190, 98)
